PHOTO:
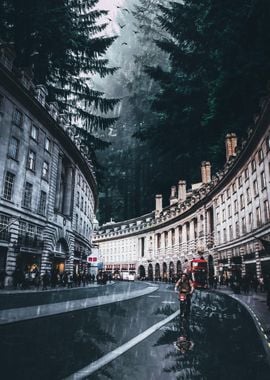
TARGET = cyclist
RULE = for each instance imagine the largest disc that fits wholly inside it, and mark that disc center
(185, 285)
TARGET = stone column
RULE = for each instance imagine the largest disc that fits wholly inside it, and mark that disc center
(176, 239)
(162, 243)
(12, 252)
(68, 192)
(191, 236)
(170, 238)
(58, 183)
(243, 267)
(184, 240)
(257, 258)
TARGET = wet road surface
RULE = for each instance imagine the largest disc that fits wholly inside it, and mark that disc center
(225, 342)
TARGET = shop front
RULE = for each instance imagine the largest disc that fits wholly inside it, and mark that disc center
(58, 263)
(3, 258)
(28, 261)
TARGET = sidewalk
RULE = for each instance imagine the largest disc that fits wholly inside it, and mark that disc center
(255, 303)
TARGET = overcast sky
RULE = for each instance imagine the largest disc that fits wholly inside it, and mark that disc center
(111, 6)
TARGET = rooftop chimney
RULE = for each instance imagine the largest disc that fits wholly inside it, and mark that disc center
(231, 144)
(173, 198)
(206, 171)
(182, 191)
(158, 204)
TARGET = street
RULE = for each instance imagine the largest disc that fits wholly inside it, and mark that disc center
(224, 340)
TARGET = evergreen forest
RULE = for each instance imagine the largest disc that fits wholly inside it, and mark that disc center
(156, 93)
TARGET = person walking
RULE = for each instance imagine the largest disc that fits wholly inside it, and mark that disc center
(267, 289)
(45, 280)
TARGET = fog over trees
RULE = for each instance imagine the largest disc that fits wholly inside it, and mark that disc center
(190, 72)
(151, 87)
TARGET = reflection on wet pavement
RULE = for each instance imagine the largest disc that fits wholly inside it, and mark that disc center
(225, 343)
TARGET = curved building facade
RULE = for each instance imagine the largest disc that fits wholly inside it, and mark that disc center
(225, 218)
(48, 188)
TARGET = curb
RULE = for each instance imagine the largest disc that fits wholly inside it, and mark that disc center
(33, 291)
(256, 320)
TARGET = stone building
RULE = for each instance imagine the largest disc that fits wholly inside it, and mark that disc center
(226, 218)
(48, 187)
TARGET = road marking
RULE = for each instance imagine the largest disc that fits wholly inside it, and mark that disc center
(168, 302)
(153, 296)
(104, 360)
(37, 311)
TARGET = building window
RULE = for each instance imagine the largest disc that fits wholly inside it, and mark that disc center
(228, 192)
(27, 198)
(8, 186)
(85, 207)
(244, 228)
(266, 210)
(224, 235)
(22, 228)
(78, 199)
(42, 203)
(242, 201)
(229, 211)
(258, 216)
(255, 187)
(240, 181)
(248, 195)
(81, 203)
(268, 143)
(1, 101)
(263, 181)
(250, 220)
(231, 232)
(45, 171)
(223, 216)
(253, 165)
(34, 132)
(17, 118)
(235, 206)
(260, 155)
(13, 148)
(76, 222)
(217, 217)
(31, 161)
(4, 224)
(237, 231)
(246, 173)
(47, 144)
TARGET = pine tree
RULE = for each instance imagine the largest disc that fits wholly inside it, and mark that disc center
(218, 74)
(62, 40)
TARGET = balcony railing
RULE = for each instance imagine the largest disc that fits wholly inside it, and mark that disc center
(5, 236)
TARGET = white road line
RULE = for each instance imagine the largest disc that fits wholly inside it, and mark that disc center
(104, 360)
(37, 311)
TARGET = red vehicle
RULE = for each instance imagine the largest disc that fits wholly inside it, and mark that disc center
(199, 272)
